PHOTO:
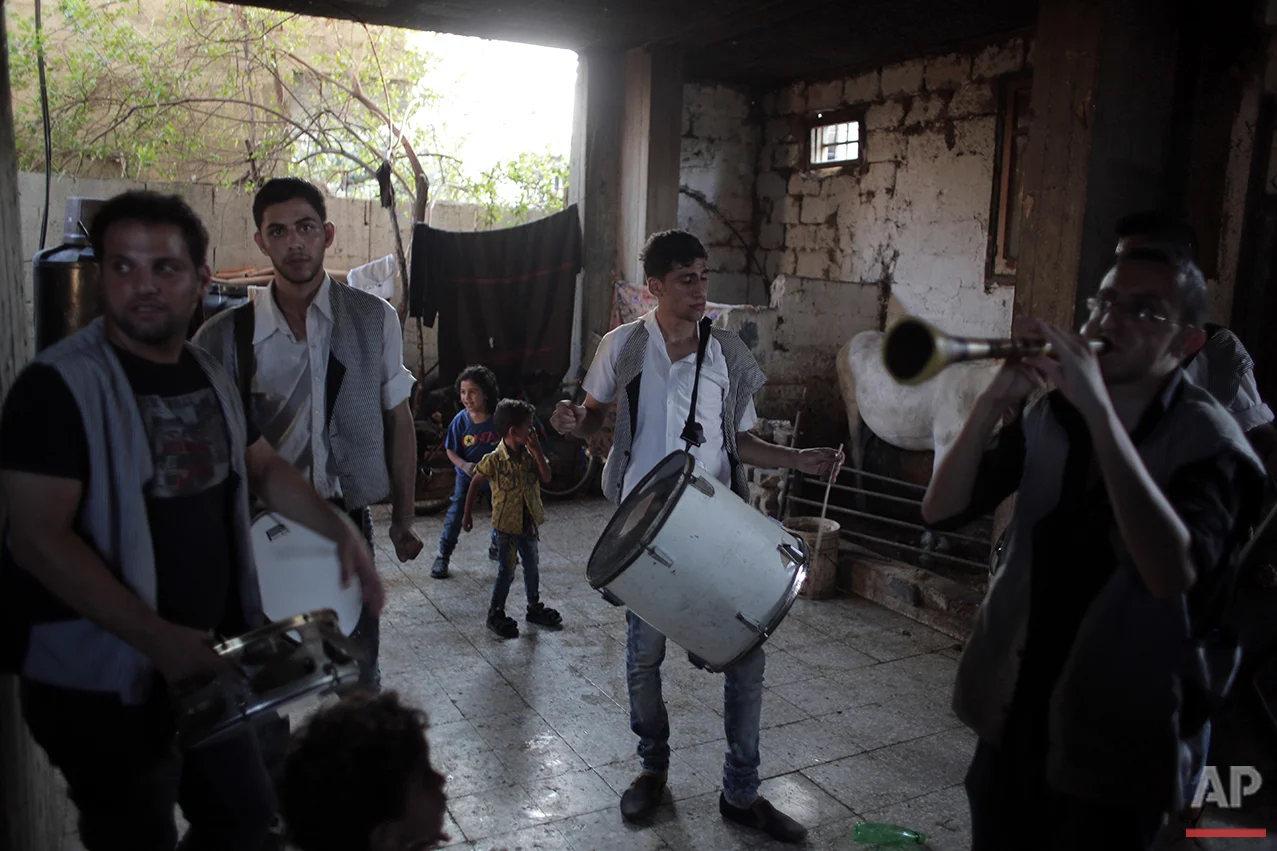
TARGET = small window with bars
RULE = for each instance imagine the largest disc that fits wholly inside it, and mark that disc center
(835, 139)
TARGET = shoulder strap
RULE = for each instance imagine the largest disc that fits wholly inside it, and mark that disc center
(693, 434)
(245, 363)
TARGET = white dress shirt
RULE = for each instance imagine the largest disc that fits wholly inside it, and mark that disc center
(665, 396)
(289, 384)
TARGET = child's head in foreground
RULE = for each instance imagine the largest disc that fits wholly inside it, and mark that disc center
(358, 778)
(513, 421)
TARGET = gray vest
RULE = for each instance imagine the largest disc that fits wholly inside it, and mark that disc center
(1114, 714)
(78, 653)
(745, 378)
(353, 411)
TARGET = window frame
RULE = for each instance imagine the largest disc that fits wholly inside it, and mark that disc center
(999, 271)
(829, 117)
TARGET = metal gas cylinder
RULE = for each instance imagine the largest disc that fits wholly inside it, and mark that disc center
(65, 279)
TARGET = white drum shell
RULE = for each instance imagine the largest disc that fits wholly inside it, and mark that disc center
(727, 583)
(298, 571)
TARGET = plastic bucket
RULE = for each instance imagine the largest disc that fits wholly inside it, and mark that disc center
(822, 572)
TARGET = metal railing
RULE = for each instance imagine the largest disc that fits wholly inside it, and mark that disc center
(851, 533)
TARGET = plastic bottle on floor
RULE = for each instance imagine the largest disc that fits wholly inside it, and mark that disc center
(886, 834)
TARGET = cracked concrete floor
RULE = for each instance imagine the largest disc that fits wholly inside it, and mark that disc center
(534, 736)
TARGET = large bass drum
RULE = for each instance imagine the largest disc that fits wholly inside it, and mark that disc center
(298, 571)
(696, 562)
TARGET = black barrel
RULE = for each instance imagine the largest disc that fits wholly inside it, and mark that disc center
(66, 294)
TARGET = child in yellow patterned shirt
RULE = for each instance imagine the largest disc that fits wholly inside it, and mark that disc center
(514, 471)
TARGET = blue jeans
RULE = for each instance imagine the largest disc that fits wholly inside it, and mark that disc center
(456, 513)
(523, 548)
(367, 633)
(742, 708)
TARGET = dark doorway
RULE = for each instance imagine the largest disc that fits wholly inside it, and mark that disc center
(1255, 296)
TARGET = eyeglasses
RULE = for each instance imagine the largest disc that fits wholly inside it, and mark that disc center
(1137, 313)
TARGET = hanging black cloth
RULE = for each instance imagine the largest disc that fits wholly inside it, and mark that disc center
(503, 298)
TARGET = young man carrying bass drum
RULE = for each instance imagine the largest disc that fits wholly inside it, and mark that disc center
(651, 363)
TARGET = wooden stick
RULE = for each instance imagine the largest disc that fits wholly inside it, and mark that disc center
(820, 529)
(787, 478)
(782, 499)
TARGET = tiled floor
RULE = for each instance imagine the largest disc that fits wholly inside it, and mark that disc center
(534, 733)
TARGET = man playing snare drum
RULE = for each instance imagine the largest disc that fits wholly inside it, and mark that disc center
(322, 369)
(125, 463)
(647, 367)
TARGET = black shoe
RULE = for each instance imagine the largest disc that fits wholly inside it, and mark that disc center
(440, 569)
(638, 801)
(542, 615)
(502, 625)
(761, 815)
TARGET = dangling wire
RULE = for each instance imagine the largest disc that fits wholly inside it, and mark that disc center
(44, 112)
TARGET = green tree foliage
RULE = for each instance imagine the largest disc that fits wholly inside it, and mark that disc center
(192, 90)
(513, 189)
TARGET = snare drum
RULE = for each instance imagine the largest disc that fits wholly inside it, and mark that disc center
(298, 571)
(282, 662)
(694, 560)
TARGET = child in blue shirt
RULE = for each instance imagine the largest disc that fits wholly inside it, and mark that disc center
(470, 437)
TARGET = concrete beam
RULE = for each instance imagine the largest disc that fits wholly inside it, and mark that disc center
(596, 172)
(945, 605)
(1104, 94)
(636, 141)
(576, 191)
(1057, 159)
(1131, 165)
(652, 129)
(625, 170)
(665, 140)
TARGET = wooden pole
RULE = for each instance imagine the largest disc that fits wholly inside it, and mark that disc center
(30, 801)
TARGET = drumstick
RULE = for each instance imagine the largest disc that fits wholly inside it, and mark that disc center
(833, 474)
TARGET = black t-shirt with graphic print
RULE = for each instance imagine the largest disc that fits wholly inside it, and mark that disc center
(189, 500)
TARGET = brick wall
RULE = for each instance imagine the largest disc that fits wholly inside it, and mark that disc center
(911, 219)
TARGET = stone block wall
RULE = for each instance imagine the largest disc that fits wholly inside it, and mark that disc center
(363, 234)
(716, 198)
(912, 219)
(904, 231)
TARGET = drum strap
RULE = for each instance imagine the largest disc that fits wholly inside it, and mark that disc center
(244, 358)
(693, 434)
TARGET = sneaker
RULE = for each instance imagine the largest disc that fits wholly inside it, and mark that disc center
(762, 816)
(502, 625)
(643, 796)
(440, 569)
(542, 615)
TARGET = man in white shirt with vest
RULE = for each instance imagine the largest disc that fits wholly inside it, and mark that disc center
(660, 348)
(322, 366)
